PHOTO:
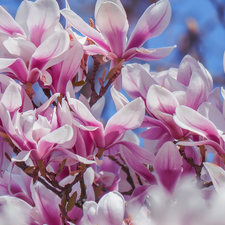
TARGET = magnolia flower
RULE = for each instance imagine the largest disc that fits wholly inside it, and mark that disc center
(32, 42)
(110, 35)
(112, 27)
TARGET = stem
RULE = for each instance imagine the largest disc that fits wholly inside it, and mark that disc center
(94, 96)
(23, 166)
(198, 168)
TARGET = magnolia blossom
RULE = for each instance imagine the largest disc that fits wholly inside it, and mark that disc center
(110, 34)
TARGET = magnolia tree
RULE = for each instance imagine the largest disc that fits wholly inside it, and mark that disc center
(61, 165)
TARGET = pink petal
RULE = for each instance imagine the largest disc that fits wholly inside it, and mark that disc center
(22, 14)
(217, 175)
(59, 153)
(46, 14)
(145, 81)
(98, 107)
(9, 127)
(34, 75)
(117, 2)
(113, 25)
(51, 48)
(90, 214)
(12, 98)
(94, 50)
(215, 98)
(152, 23)
(186, 67)
(70, 66)
(191, 120)
(59, 137)
(168, 165)
(44, 106)
(212, 113)
(153, 54)
(174, 130)
(78, 23)
(130, 74)
(197, 91)
(111, 208)
(8, 24)
(215, 145)
(138, 167)
(137, 200)
(17, 67)
(161, 99)
(20, 48)
(47, 204)
(127, 118)
(83, 114)
(141, 154)
(119, 99)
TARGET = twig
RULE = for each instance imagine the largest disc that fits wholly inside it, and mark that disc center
(23, 166)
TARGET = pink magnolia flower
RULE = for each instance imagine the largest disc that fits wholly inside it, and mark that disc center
(112, 26)
(32, 65)
(110, 139)
(34, 21)
(163, 92)
(41, 132)
(32, 42)
(110, 35)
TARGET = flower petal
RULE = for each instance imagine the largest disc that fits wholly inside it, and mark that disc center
(217, 175)
(153, 54)
(191, 120)
(113, 25)
(8, 24)
(20, 48)
(138, 167)
(60, 136)
(22, 14)
(51, 48)
(127, 118)
(197, 91)
(161, 99)
(152, 23)
(168, 165)
(17, 67)
(78, 23)
(46, 14)
(111, 209)
(117, 2)
(69, 67)
(186, 67)
(12, 98)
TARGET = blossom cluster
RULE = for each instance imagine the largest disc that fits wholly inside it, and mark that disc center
(60, 164)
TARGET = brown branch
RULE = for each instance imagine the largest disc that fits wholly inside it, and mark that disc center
(91, 79)
(198, 168)
(23, 166)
